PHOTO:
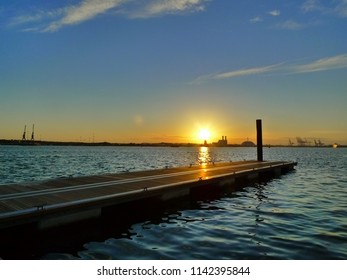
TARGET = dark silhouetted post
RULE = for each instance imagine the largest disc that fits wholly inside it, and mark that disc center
(259, 141)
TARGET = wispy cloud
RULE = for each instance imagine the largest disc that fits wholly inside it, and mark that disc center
(37, 17)
(86, 10)
(275, 13)
(341, 8)
(289, 25)
(272, 13)
(162, 7)
(236, 73)
(245, 72)
(256, 19)
(337, 7)
(53, 20)
(324, 64)
(310, 6)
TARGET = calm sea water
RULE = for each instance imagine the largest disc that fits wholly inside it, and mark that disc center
(301, 215)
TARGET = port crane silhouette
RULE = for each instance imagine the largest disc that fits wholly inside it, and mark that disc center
(301, 142)
(32, 134)
(290, 142)
(318, 143)
(24, 133)
(24, 138)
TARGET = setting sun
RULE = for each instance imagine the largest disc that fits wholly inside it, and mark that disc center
(204, 134)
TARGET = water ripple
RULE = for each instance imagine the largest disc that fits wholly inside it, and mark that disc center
(302, 215)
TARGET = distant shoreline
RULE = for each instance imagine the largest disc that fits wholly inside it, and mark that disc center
(161, 144)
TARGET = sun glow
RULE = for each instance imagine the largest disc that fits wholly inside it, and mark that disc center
(204, 134)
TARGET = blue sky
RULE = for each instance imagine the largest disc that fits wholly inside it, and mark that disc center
(156, 70)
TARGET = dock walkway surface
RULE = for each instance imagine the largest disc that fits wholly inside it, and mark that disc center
(53, 202)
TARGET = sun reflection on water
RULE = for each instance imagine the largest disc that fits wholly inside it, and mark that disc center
(204, 156)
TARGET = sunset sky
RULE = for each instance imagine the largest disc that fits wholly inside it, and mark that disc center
(160, 70)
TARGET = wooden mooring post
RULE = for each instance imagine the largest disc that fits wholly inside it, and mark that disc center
(259, 141)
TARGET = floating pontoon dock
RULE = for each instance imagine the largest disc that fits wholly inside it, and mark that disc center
(53, 203)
